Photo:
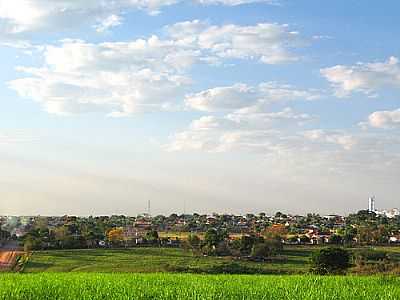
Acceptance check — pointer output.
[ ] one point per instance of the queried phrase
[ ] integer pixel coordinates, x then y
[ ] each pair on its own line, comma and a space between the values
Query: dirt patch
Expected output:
7, 258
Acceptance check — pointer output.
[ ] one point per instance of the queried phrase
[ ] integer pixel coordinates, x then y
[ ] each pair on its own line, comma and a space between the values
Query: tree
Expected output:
213, 237
304, 239
116, 235
349, 234
276, 231
152, 236
336, 239
222, 249
330, 261
62, 235
261, 250
194, 241
246, 244
32, 243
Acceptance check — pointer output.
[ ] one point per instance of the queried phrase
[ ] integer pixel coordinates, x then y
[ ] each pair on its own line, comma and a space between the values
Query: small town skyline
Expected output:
371, 206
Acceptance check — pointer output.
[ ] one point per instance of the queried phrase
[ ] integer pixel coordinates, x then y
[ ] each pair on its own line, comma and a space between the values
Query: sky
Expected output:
227, 106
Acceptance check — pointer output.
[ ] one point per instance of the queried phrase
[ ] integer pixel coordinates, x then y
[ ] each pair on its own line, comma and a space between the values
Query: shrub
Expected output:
330, 261
232, 268
266, 249
371, 254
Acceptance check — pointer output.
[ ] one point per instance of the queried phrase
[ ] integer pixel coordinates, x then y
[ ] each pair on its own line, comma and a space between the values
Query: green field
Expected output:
294, 260
115, 274
150, 260
188, 286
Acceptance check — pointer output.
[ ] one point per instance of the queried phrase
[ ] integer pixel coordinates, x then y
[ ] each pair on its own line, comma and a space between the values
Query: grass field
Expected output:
188, 286
114, 274
150, 260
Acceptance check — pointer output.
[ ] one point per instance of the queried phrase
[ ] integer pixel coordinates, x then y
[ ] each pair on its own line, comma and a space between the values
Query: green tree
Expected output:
152, 237
194, 241
330, 261
336, 239
261, 250
213, 237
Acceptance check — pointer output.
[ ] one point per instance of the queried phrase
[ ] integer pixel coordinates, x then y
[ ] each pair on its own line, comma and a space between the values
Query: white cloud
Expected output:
108, 23
121, 78
223, 98
292, 150
242, 96
258, 120
19, 16
251, 131
212, 135
235, 2
266, 42
116, 78
363, 77
385, 119
339, 138
295, 151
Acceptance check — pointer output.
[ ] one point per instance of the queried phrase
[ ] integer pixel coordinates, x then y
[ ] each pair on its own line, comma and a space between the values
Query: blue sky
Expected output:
229, 105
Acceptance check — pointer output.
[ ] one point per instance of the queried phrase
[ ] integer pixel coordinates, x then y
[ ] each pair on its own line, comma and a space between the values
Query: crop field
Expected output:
187, 286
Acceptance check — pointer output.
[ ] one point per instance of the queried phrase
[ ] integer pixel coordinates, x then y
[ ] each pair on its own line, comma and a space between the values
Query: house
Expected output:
143, 224
134, 234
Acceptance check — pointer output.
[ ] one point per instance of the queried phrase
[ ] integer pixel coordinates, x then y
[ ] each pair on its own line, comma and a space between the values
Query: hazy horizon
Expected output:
234, 106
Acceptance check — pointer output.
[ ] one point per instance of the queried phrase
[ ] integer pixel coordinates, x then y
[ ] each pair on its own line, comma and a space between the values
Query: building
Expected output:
392, 213
371, 204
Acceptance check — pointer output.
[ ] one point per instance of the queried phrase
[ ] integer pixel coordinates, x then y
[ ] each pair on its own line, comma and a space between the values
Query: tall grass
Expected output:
95, 286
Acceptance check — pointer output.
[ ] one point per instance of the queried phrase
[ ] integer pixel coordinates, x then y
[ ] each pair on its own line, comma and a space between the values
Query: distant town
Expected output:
369, 226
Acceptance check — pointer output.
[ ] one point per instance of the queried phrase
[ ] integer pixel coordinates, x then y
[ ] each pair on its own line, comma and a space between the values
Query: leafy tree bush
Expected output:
304, 239
222, 249
213, 236
293, 239
115, 236
371, 254
266, 249
364, 256
194, 241
330, 261
231, 268
152, 236
336, 239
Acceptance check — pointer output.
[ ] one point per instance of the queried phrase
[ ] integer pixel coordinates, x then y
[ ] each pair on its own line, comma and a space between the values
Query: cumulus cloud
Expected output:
108, 23
334, 137
292, 149
266, 42
385, 119
236, 2
242, 96
19, 16
121, 78
253, 131
213, 135
116, 78
366, 78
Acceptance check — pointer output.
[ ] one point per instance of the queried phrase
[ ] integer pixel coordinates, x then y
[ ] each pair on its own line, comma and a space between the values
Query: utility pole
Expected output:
184, 211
